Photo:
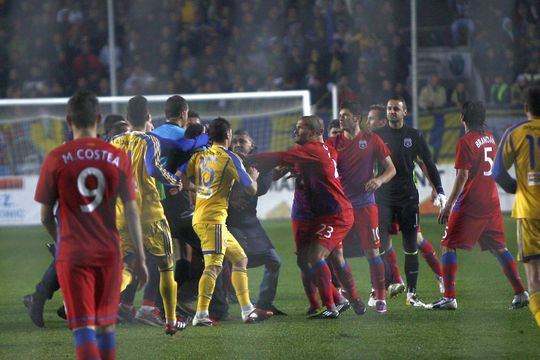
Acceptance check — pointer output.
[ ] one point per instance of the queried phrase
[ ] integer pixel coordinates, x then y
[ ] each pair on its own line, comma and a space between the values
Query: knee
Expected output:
241, 264
274, 264
371, 253
105, 329
213, 270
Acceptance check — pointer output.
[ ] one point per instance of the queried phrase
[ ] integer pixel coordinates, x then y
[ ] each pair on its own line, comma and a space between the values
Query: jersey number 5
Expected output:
96, 193
489, 160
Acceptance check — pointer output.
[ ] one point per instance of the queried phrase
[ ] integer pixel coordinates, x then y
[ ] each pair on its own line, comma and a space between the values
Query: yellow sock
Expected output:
534, 305
239, 281
207, 283
167, 289
126, 279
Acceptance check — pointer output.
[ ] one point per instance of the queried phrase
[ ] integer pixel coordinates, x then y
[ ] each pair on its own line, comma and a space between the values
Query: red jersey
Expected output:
475, 152
356, 161
86, 176
315, 164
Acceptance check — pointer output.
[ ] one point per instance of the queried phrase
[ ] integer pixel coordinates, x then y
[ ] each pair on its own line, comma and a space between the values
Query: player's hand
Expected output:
141, 271
444, 214
253, 173
372, 185
179, 185
440, 201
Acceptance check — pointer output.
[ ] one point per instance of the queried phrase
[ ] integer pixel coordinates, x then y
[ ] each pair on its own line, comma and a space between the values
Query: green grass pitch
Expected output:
482, 327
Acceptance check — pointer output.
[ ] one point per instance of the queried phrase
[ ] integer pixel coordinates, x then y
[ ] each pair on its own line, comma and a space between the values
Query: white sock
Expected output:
201, 314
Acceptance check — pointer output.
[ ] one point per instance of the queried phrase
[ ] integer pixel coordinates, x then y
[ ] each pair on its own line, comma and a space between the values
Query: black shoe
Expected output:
273, 309
359, 307
344, 306
34, 306
61, 312
325, 314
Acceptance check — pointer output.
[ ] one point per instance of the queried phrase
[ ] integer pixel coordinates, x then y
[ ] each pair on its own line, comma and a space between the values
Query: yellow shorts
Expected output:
217, 240
156, 239
528, 238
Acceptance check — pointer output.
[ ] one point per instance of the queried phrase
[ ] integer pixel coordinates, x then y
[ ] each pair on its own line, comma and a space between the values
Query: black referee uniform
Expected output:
398, 199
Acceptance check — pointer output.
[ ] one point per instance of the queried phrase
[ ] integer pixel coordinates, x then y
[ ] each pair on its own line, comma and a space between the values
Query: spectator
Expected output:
139, 81
519, 90
86, 62
400, 91
433, 95
499, 92
459, 95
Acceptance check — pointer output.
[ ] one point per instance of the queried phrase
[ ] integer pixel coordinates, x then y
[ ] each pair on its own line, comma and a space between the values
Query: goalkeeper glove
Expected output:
440, 200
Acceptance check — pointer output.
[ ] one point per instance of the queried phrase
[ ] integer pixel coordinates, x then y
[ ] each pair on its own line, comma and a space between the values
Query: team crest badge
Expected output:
362, 144
407, 142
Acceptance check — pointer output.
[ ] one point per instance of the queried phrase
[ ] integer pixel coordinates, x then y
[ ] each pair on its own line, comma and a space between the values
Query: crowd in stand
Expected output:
55, 47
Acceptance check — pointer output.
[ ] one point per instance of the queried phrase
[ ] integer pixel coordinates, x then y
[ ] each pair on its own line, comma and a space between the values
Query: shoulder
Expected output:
513, 130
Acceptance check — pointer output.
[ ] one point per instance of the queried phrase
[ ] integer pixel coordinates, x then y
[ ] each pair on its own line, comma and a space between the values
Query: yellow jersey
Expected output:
144, 151
214, 172
520, 146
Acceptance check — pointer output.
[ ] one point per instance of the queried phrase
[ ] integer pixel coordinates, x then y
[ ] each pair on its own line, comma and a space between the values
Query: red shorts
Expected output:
394, 229
91, 293
329, 231
463, 232
366, 226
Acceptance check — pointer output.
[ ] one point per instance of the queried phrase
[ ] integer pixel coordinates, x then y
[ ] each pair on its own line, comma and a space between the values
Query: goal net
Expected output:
30, 128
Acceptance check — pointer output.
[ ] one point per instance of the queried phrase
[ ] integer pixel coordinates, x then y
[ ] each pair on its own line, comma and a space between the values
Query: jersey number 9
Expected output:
96, 193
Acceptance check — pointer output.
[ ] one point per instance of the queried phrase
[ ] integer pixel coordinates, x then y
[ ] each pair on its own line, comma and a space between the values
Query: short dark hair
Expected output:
175, 106
113, 120
533, 100
354, 106
193, 130
380, 108
314, 122
334, 124
83, 109
399, 98
218, 128
137, 110
242, 132
474, 114
192, 113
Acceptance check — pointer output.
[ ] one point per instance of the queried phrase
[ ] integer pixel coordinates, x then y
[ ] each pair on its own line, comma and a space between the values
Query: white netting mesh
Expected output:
30, 128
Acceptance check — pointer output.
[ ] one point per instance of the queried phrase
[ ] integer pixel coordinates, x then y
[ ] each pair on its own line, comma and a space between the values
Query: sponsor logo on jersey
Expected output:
362, 144
407, 142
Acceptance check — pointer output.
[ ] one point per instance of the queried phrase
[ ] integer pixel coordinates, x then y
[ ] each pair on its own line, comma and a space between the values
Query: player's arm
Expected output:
387, 175
133, 223
424, 170
246, 179
153, 164
384, 159
47, 219
461, 178
264, 181
503, 161
433, 174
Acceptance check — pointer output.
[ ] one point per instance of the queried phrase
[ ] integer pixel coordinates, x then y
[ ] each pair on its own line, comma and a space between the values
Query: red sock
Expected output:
88, 351
311, 291
346, 279
376, 269
429, 254
391, 259
323, 279
449, 264
85, 343
336, 295
510, 270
